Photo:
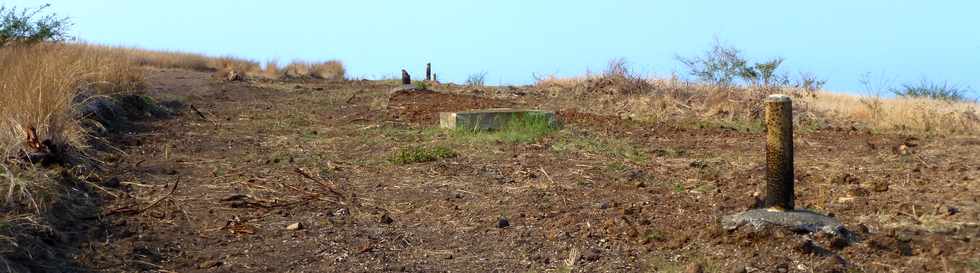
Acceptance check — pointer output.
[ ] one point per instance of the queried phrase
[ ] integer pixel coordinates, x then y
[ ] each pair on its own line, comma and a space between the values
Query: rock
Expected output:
386, 219
879, 186
739, 268
807, 247
112, 182
503, 222
694, 268
952, 210
796, 220
857, 191
602, 205
294, 226
591, 255
209, 264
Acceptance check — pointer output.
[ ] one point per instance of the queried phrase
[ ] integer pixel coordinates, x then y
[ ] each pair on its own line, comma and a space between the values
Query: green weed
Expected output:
421, 154
527, 129
604, 146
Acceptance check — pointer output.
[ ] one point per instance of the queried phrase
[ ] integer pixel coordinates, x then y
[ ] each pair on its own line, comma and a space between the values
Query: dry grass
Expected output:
329, 70
40, 86
630, 96
272, 70
899, 114
166, 59
297, 69
228, 67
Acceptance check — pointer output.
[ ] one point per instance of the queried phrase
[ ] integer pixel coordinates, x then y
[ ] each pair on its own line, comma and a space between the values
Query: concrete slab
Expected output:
491, 119
797, 220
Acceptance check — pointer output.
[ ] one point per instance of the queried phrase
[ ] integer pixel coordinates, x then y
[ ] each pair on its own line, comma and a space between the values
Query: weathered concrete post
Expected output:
779, 153
434, 78
780, 210
428, 71
406, 79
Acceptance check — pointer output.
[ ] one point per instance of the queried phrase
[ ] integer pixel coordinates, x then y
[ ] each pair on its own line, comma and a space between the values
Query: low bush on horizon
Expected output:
27, 26
932, 90
476, 79
730, 89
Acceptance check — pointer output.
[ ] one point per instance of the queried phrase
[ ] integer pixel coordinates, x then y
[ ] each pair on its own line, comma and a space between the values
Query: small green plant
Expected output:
421, 154
420, 85
612, 147
478, 79
522, 129
933, 90
679, 188
24, 26
974, 265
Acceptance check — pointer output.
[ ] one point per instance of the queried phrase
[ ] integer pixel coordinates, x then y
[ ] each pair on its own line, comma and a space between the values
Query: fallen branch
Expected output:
130, 210
199, 113
330, 188
154, 204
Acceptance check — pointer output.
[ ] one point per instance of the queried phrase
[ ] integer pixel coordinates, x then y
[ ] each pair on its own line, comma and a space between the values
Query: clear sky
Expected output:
897, 41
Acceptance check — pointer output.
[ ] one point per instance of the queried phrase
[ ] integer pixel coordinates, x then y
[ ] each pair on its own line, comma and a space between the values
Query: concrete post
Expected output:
779, 153
406, 78
428, 71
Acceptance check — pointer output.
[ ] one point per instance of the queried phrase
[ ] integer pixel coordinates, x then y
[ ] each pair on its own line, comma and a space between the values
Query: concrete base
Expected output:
491, 119
406, 88
797, 220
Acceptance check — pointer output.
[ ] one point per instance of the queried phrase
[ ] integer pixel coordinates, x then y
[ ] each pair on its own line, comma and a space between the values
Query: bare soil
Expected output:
295, 177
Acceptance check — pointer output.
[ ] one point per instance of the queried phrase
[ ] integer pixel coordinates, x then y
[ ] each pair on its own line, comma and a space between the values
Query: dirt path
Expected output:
225, 192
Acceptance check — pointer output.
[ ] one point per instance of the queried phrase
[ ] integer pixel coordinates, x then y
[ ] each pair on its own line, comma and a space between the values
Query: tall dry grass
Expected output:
902, 114
40, 84
329, 70
635, 97
332, 70
229, 67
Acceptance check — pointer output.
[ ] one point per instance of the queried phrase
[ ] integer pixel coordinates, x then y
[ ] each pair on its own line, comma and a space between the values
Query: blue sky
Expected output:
512, 40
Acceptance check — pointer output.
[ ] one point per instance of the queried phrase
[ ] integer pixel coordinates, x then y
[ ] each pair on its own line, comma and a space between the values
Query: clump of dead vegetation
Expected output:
728, 90
330, 70
43, 81
230, 68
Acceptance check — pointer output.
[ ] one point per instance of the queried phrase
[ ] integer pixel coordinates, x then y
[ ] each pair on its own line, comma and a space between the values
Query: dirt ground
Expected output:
295, 177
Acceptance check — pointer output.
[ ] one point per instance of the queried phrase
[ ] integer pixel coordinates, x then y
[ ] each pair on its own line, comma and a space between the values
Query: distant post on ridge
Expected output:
428, 71
406, 79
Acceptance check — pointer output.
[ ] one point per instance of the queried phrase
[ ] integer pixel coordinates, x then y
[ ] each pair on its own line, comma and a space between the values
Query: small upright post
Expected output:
779, 153
428, 71
434, 78
406, 79
779, 208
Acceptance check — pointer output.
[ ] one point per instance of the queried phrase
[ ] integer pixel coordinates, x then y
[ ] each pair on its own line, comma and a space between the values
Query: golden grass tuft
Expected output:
332, 70
40, 87
297, 69
272, 70
901, 114
40, 84
676, 100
